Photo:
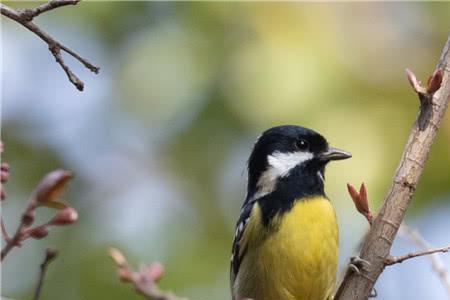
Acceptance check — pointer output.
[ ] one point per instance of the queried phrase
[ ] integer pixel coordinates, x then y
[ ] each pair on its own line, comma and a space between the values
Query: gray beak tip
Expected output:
335, 154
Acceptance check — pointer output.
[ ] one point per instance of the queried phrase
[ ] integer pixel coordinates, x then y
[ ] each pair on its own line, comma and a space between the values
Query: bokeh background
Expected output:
158, 140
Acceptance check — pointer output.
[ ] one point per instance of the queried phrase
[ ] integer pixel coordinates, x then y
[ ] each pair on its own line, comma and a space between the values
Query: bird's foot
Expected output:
357, 263
373, 293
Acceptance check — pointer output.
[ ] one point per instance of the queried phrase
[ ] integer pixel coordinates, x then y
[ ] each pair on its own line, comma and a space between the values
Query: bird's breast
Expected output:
296, 258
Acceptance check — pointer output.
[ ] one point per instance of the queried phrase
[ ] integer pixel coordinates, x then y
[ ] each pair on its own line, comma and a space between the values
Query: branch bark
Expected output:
25, 18
377, 245
50, 255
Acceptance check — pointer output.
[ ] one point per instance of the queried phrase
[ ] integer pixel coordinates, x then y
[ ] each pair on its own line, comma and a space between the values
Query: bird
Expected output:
286, 240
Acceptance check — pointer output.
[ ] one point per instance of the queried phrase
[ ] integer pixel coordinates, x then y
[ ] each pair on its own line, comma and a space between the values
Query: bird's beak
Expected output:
334, 154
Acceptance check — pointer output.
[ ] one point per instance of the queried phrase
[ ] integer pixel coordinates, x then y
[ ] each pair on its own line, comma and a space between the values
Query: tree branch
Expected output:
392, 260
25, 17
25, 222
144, 280
50, 255
378, 242
435, 259
45, 194
30, 13
4, 231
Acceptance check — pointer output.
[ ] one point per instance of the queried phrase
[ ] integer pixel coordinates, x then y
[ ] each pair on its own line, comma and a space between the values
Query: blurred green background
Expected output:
158, 140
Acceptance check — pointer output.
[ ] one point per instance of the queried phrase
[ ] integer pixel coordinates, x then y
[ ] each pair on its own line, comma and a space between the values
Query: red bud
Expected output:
156, 271
65, 216
364, 202
4, 172
434, 82
353, 193
28, 217
361, 201
39, 232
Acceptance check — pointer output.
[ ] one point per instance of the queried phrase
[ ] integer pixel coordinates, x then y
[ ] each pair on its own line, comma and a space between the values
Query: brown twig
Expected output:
46, 194
25, 222
50, 255
392, 260
4, 231
144, 280
377, 245
436, 262
25, 17
30, 13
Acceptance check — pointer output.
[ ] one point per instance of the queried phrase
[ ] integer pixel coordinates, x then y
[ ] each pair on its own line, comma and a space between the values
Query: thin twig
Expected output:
30, 13
50, 255
25, 222
25, 17
46, 193
392, 260
4, 231
436, 262
144, 280
376, 247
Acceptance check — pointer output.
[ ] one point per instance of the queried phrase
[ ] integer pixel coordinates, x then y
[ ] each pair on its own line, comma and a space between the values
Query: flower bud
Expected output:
65, 216
118, 257
51, 187
39, 232
152, 273
4, 172
28, 217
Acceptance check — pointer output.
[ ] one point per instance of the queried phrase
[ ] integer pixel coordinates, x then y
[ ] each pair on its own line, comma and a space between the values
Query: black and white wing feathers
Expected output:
241, 224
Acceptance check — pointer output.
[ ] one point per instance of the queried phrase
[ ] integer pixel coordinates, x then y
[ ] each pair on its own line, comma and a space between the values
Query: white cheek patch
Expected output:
280, 164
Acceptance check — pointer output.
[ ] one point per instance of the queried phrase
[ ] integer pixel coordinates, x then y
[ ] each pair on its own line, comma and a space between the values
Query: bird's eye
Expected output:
302, 145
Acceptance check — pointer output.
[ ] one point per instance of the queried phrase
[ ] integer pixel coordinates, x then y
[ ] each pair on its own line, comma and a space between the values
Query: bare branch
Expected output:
50, 255
392, 260
4, 231
436, 262
25, 17
376, 247
144, 280
30, 13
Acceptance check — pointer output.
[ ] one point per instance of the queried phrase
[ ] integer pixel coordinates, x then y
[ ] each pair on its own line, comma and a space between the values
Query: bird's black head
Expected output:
289, 153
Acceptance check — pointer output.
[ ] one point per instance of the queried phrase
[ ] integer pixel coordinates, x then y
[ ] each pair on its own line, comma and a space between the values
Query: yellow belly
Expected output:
295, 261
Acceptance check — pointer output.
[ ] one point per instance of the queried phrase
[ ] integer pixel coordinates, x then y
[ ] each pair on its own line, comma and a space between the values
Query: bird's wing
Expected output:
238, 246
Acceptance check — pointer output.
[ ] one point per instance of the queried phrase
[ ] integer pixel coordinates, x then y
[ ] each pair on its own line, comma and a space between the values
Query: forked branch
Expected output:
25, 18
145, 280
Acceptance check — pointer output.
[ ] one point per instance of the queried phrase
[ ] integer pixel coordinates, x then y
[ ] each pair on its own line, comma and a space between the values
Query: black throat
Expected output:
303, 181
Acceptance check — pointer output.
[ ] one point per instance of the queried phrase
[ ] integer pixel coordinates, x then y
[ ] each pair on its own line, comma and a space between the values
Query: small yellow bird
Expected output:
286, 241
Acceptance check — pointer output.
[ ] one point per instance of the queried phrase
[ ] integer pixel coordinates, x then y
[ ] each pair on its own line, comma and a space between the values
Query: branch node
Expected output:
25, 17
